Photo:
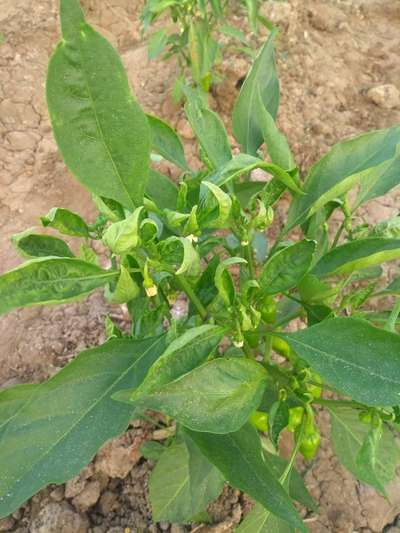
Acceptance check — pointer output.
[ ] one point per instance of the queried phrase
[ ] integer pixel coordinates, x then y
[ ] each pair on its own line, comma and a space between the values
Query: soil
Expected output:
340, 75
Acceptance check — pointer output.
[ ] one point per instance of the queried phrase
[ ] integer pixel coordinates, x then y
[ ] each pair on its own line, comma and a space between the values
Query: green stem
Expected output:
248, 253
295, 451
391, 322
338, 234
338, 403
187, 289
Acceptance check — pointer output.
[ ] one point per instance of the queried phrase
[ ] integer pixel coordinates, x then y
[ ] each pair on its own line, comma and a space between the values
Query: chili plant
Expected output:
195, 35
228, 377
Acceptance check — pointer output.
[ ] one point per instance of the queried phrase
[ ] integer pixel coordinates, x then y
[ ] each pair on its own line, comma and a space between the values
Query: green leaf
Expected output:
356, 255
223, 280
296, 487
341, 169
126, 288
86, 253
50, 280
356, 358
30, 244
205, 288
379, 180
49, 432
184, 354
123, 236
235, 33
367, 460
214, 206
111, 209
261, 81
152, 450
161, 190
179, 254
244, 163
183, 483
157, 43
277, 421
166, 142
209, 129
259, 520
348, 437
239, 457
101, 131
286, 268
393, 287
218, 396
275, 142
66, 222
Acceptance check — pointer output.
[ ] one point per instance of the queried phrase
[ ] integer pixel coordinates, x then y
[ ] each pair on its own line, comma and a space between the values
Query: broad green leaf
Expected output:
123, 236
223, 280
86, 253
356, 255
209, 129
261, 81
161, 190
379, 180
50, 280
275, 142
356, 358
180, 255
49, 432
259, 520
152, 450
244, 163
247, 189
157, 43
126, 288
30, 244
286, 268
259, 243
341, 169
296, 487
348, 436
218, 396
205, 288
101, 131
183, 483
166, 142
239, 457
184, 354
66, 222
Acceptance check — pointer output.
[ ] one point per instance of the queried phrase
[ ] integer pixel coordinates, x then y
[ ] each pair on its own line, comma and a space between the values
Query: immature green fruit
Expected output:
365, 417
295, 418
312, 389
268, 310
251, 338
310, 444
280, 346
259, 420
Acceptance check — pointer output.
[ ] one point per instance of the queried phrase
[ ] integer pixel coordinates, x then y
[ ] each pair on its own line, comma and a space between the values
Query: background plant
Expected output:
205, 237
194, 36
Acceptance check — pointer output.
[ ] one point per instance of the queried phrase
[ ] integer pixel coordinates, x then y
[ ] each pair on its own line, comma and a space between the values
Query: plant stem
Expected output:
338, 403
338, 234
187, 289
391, 321
248, 253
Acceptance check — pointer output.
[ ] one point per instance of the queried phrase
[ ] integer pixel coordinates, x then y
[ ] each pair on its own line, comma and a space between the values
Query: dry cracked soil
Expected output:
340, 74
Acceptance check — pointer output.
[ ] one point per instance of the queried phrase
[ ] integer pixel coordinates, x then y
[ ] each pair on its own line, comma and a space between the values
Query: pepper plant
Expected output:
274, 331
194, 35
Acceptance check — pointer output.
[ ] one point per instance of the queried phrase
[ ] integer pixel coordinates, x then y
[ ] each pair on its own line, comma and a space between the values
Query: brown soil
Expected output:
330, 55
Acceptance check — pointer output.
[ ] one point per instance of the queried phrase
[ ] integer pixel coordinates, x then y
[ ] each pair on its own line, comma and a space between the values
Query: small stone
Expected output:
164, 526
88, 497
386, 96
116, 459
74, 486
21, 140
176, 528
59, 518
6, 524
57, 494
108, 502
